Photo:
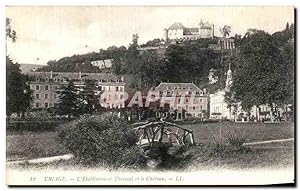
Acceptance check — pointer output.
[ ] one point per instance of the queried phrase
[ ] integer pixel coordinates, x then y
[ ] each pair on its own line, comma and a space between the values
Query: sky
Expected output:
50, 33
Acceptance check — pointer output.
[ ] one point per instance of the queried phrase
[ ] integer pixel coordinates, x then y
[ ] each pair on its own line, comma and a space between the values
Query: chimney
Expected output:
79, 74
51, 74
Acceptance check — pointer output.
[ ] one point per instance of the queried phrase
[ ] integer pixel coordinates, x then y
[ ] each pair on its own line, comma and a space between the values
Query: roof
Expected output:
74, 75
190, 31
178, 86
176, 26
205, 25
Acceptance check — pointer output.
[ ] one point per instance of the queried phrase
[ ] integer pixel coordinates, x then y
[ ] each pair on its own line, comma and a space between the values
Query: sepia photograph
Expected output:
150, 95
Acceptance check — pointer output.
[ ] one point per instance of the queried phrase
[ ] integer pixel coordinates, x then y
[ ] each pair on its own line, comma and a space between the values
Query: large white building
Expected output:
45, 86
178, 31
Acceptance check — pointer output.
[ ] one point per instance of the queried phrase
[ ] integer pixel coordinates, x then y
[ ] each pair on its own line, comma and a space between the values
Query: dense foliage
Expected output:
102, 139
18, 93
264, 70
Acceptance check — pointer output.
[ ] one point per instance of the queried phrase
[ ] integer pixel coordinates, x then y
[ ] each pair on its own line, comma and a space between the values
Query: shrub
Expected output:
102, 139
236, 140
228, 146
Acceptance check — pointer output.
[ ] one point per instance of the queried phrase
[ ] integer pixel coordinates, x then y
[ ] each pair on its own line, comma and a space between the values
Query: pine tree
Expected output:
88, 98
69, 102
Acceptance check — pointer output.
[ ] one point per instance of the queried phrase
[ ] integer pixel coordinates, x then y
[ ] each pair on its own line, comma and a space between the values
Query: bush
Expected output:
102, 139
236, 140
230, 145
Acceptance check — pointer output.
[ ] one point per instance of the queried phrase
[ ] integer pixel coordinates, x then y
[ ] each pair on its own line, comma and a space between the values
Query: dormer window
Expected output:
37, 79
47, 79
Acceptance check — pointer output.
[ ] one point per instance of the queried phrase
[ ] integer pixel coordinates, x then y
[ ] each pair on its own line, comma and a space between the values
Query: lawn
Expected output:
30, 145
207, 132
269, 156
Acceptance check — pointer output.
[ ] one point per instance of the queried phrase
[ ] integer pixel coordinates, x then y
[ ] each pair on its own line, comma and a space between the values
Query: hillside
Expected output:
30, 67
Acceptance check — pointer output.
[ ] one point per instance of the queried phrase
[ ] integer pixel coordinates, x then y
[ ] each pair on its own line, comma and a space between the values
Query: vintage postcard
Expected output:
150, 95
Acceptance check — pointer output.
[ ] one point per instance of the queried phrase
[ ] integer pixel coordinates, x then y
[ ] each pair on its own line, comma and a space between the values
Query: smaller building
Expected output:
102, 64
184, 98
218, 107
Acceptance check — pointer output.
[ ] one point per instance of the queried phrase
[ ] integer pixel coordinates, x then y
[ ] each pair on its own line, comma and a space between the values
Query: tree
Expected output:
132, 63
261, 75
69, 100
232, 103
18, 93
225, 31
10, 33
189, 63
152, 72
88, 98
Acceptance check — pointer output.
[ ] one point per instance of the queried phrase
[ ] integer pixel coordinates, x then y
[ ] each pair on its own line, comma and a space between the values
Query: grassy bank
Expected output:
29, 145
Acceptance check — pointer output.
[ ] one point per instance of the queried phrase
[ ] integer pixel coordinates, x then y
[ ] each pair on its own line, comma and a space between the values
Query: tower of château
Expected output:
228, 79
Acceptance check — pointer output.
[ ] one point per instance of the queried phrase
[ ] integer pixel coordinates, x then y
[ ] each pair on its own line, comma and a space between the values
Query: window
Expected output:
37, 96
117, 88
37, 79
37, 87
46, 105
46, 87
121, 89
121, 97
200, 100
37, 105
46, 96
194, 108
